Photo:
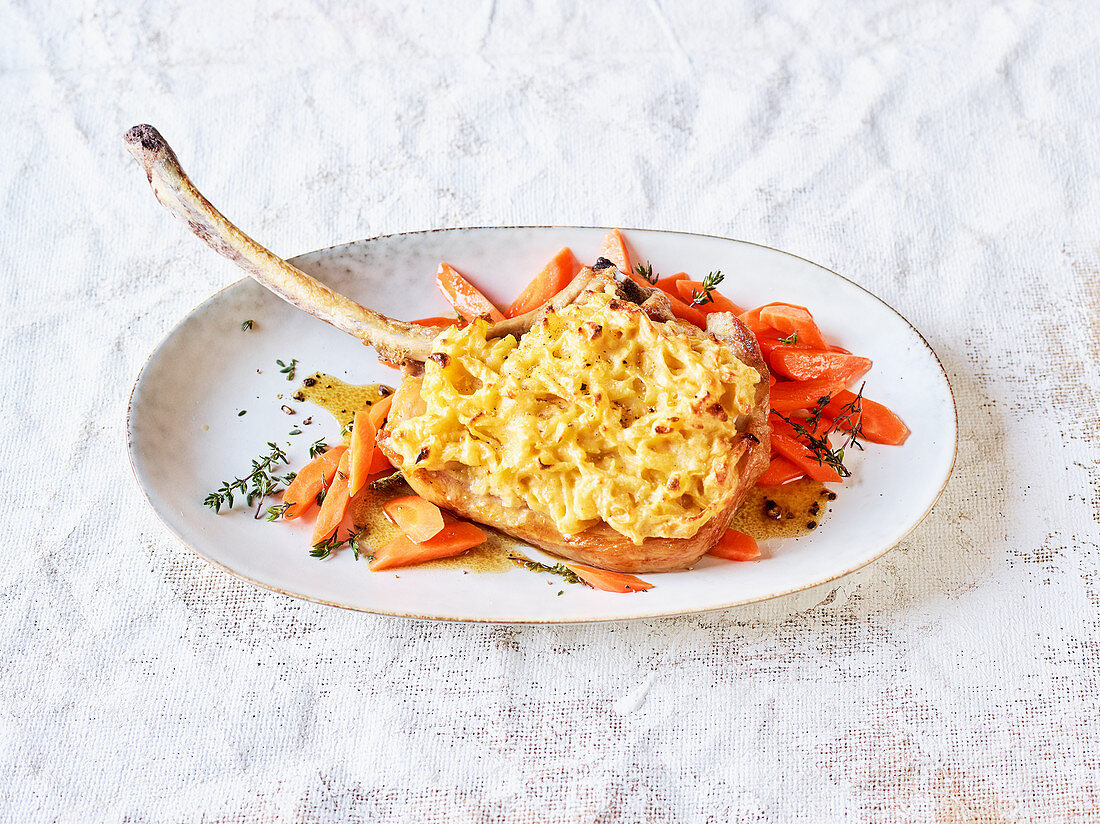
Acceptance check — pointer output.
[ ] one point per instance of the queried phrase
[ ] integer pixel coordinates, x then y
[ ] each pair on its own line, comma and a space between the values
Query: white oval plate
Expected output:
185, 434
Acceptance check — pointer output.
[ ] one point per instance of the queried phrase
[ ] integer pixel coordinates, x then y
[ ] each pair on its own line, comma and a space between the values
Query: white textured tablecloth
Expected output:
942, 154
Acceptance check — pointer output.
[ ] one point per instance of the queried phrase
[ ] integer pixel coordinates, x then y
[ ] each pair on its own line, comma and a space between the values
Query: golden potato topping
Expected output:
598, 413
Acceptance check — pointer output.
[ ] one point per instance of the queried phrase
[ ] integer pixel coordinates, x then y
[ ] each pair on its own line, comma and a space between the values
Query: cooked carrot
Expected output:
787, 396
335, 504
787, 319
453, 539
736, 546
437, 321
813, 364
554, 277
769, 343
879, 424
380, 411
791, 448
464, 296
361, 451
417, 518
614, 249
379, 462
752, 320
609, 581
684, 312
669, 283
315, 476
687, 289
779, 471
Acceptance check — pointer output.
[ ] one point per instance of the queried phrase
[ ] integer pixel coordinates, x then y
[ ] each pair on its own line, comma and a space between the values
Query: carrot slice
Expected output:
379, 462
813, 364
316, 475
787, 396
752, 320
554, 277
879, 423
779, 471
380, 411
453, 539
718, 302
437, 321
787, 444
417, 518
363, 435
609, 581
787, 319
464, 296
684, 312
769, 343
669, 283
736, 546
614, 249
335, 504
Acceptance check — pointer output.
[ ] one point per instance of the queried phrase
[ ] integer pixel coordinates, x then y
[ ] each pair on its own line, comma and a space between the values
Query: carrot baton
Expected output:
453, 539
780, 471
466, 299
614, 249
335, 504
736, 546
609, 581
553, 277
313, 478
812, 364
417, 518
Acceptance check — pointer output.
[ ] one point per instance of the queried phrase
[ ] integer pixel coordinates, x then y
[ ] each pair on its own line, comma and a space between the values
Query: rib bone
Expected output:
395, 340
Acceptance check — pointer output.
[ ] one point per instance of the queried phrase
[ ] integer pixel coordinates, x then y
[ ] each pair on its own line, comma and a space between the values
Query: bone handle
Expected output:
395, 340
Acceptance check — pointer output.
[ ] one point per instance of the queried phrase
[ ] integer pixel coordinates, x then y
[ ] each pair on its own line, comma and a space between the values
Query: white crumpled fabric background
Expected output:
942, 154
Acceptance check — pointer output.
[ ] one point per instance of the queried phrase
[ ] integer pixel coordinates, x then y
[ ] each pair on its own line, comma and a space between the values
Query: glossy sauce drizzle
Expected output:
341, 400
785, 511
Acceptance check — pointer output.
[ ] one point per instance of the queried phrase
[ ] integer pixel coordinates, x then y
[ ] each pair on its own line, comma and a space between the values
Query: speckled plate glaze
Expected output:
185, 434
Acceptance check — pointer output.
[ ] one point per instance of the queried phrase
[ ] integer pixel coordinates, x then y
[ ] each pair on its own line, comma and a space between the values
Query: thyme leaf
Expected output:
274, 513
557, 569
326, 548
246, 325
646, 272
710, 282
386, 481
288, 369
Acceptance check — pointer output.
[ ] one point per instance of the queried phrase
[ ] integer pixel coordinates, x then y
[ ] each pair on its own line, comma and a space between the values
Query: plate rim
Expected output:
537, 621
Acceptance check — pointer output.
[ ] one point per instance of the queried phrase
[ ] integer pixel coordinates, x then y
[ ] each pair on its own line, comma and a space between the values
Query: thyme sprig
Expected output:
326, 548
557, 569
274, 513
646, 272
849, 418
710, 282
387, 481
318, 447
256, 485
288, 369
791, 339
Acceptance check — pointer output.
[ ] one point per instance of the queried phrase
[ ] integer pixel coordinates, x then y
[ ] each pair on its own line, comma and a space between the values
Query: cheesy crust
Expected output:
597, 413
